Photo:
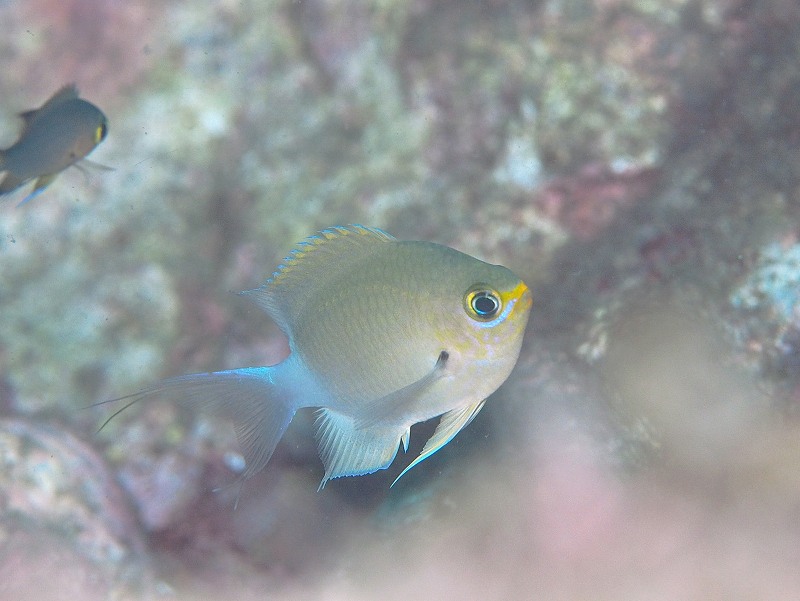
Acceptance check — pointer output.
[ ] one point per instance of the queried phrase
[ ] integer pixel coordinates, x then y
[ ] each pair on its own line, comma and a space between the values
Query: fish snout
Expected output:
522, 295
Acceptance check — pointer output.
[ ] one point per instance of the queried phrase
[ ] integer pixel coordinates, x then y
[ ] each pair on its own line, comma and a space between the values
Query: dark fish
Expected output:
64, 130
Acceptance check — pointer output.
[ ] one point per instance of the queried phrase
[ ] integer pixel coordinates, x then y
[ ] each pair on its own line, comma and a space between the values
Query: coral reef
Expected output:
637, 162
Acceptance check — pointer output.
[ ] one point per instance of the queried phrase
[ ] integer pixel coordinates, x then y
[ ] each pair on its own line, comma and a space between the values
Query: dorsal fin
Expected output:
68, 92
315, 259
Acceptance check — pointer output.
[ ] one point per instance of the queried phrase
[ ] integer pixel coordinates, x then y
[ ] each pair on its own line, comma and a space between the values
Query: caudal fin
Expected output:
258, 409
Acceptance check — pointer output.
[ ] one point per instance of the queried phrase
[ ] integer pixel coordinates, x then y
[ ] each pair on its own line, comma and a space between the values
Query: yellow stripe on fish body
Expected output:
384, 334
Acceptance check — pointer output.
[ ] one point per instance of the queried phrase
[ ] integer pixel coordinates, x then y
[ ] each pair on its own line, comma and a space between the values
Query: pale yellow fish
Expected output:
384, 334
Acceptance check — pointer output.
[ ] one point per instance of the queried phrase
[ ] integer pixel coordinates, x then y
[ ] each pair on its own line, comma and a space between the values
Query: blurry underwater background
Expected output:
637, 162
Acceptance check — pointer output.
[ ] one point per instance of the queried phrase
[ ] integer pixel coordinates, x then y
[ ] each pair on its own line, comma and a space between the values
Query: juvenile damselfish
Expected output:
64, 130
383, 334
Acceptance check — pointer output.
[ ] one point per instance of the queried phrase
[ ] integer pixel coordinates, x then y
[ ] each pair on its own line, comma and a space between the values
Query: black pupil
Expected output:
484, 304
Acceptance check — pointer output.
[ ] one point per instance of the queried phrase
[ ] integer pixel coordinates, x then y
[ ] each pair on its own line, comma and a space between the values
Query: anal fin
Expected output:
349, 450
10, 183
38, 188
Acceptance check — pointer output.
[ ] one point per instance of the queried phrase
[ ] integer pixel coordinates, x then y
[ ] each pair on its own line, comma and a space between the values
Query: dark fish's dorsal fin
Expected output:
68, 92
316, 258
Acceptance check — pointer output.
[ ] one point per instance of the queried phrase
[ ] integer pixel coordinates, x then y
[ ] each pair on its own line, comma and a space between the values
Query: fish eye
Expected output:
482, 303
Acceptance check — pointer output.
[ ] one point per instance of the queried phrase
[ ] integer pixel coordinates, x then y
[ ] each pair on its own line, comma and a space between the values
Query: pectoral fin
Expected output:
451, 424
94, 165
388, 407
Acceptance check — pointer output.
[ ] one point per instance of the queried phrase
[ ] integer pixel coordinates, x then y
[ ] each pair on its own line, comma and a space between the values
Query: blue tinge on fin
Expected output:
39, 187
451, 424
247, 397
34, 193
347, 450
30, 196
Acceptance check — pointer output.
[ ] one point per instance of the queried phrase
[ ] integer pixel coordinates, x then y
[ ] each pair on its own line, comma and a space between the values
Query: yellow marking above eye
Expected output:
516, 293
484, 304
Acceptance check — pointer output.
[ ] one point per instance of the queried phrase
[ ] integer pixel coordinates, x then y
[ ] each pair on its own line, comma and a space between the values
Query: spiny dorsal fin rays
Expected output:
451, 424
68, 92
388, 407
317, 258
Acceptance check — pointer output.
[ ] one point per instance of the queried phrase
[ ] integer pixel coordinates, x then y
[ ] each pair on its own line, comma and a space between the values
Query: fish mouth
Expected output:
521, 293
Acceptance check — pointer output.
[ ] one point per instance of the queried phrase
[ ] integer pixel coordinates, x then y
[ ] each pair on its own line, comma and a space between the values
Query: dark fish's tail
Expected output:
259, 410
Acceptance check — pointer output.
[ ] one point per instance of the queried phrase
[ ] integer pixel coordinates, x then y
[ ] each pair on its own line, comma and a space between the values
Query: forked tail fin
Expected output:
259, 410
